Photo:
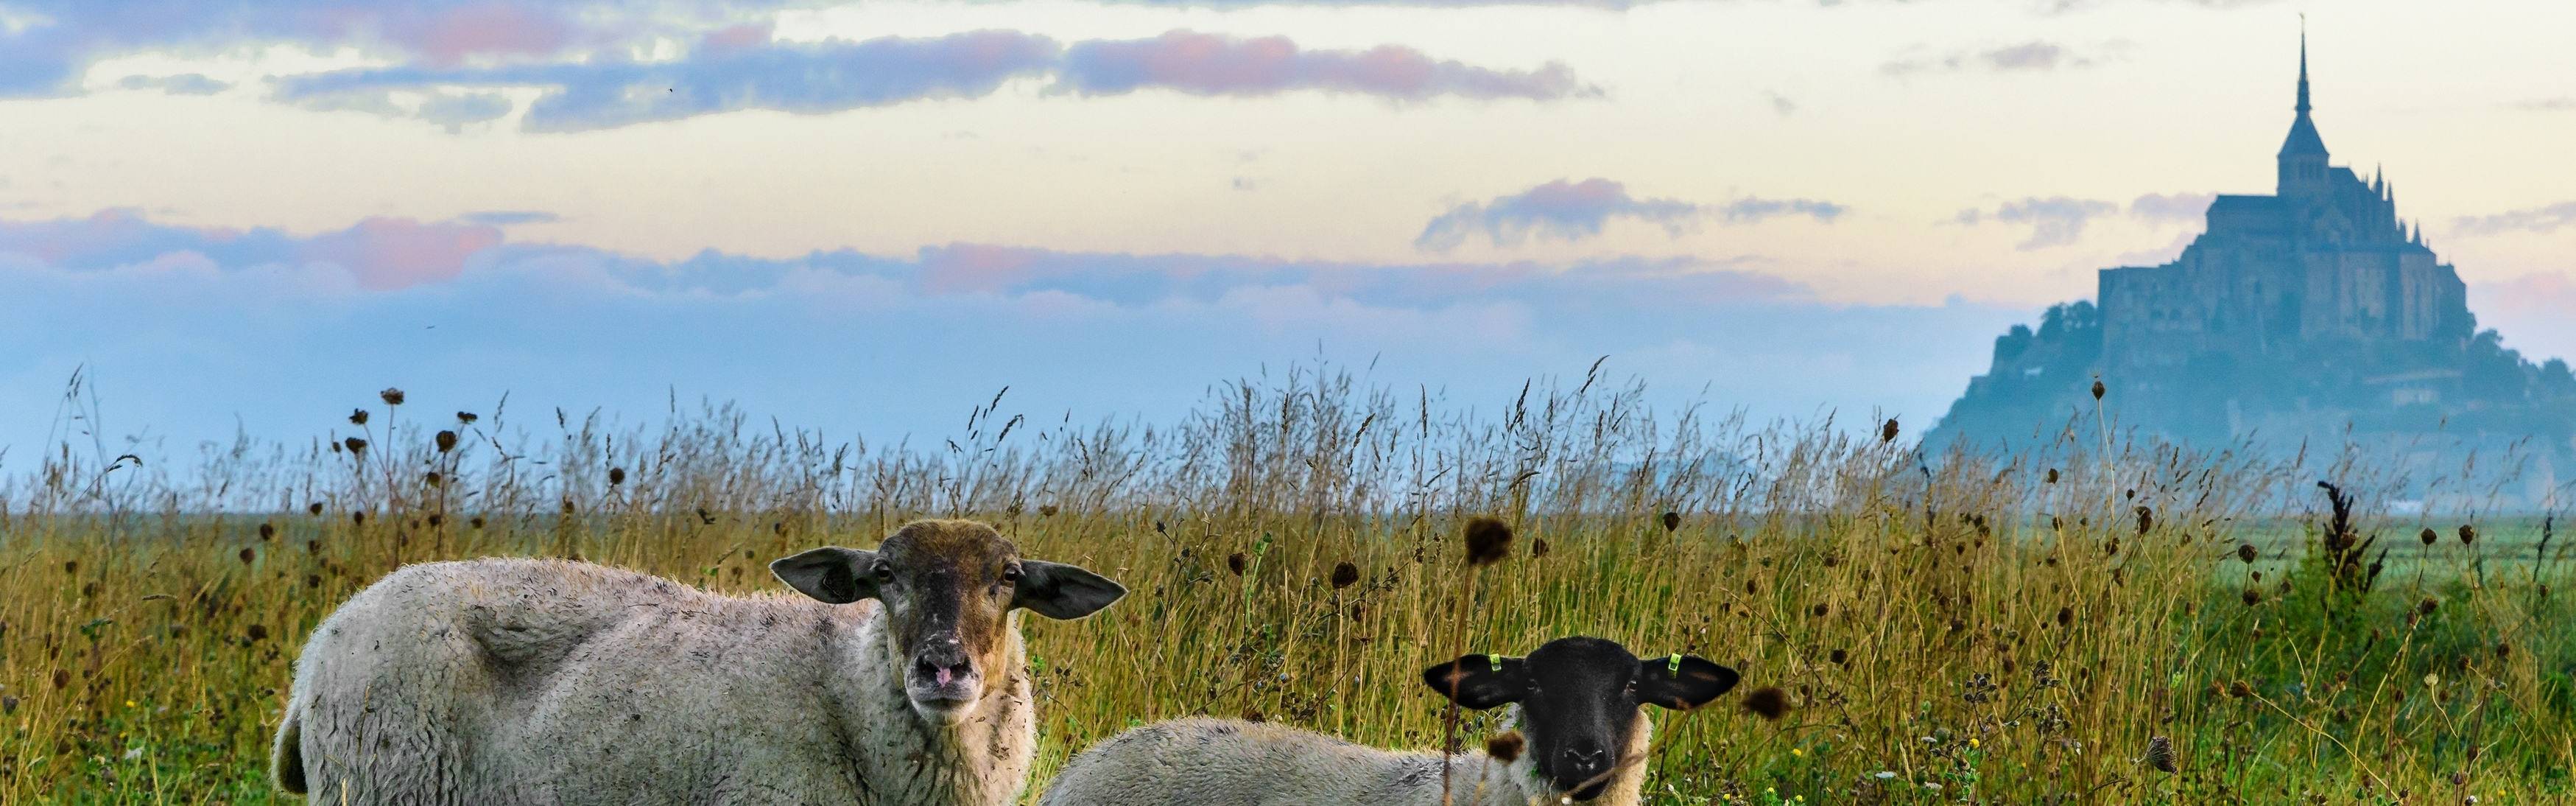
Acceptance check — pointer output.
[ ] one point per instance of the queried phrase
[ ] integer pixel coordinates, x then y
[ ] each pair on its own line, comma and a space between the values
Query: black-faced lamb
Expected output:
897, 678
1575, 700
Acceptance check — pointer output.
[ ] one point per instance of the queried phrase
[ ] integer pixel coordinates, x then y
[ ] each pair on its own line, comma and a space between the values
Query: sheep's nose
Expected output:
1589, 761
940, 672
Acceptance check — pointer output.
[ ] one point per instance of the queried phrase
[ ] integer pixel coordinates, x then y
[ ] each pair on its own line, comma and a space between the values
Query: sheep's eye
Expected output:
1011, 574
883, 572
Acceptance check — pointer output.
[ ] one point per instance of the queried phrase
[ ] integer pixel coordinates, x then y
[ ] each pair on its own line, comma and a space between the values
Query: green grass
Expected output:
1970, 626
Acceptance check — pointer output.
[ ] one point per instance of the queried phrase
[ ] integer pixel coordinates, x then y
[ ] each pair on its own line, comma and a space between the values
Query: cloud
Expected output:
188, 84
2032, 56
2054, 221
1576, 210
739, 69
274, 333
377, 254
504, 218
2543, 220
1212, 64
814, 78
2179, 207
45, 50
2564, 103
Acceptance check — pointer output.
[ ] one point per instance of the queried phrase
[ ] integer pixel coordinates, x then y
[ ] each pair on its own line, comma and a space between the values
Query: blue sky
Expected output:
867, 218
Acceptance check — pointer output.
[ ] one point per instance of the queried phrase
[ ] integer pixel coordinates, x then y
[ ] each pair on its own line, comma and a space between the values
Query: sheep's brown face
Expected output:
948, 588
1579, 699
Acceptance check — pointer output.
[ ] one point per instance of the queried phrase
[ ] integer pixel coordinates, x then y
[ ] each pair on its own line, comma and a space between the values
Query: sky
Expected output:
869, 218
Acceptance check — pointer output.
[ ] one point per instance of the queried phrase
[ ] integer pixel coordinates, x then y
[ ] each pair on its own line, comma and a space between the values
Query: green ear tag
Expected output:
1674, 665
1495, 661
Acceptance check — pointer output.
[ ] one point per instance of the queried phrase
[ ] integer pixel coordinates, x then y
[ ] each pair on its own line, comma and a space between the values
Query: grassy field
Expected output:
1961, 629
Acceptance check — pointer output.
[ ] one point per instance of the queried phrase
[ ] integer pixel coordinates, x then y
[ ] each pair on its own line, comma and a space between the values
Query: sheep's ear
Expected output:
1060, 591
1479, 681
830, 574
1682, 682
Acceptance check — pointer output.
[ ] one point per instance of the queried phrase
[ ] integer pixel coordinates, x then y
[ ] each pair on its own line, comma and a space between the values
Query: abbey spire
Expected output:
2303, 153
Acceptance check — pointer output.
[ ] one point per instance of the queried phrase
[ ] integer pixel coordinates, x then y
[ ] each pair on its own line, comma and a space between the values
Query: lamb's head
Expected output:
1579, 699
948, 588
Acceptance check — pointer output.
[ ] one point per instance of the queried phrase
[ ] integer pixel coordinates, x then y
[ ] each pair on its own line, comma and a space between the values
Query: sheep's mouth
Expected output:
1588, 792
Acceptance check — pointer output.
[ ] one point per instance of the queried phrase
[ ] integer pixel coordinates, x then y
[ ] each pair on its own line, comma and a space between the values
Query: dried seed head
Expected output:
436, 520
430, 478
1488, 540
1768, 702
2097, 389
62, 677
1820, 610
1158, 527
312, 580
1839, 657
359, 518
1046, 511
2253, 597
476, 522
446, 441
1344, 574
2066, 617
267, 532
1236, 562
358, 417
2146, 519
2160, 754
1506, 747
1887, 433
616, 476
246, 556
2428, 536
258, 632
2245, 552
466, 417
2240, 689
2052, 475
313, 508
1672, 520
2468, 535
392, 396
2426, 606
2504, 650
355, 445
1538, 548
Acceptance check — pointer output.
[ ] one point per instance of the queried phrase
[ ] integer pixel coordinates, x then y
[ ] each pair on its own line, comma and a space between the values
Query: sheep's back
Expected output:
1225, 762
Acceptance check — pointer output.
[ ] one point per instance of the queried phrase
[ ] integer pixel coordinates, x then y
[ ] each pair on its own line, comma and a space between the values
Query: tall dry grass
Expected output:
2095, 621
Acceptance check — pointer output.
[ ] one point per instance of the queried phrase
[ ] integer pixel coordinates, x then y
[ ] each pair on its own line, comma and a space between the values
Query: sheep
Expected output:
549, 682
1574, 701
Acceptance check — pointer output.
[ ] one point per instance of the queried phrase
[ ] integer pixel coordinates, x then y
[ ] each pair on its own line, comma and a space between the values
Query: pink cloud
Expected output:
499, 28
1211, 64
388, 254
739, 37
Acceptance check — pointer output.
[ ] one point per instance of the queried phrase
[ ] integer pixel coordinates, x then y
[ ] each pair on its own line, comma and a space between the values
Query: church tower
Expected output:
2303, 154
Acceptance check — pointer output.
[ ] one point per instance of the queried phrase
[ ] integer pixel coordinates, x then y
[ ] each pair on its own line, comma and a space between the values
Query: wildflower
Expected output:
258, 632
2097, 395
1487, 540
314, 508
2253, 597
446, 441
2426, 606
1839, 657
1769, 702
1887, 433
466, 417
2468, 535
1046, 511
1538, 548
358, 417
1344, 574
1672, 520
355, 445
1235, 562
392, 396
2428, 536
2160, 754
616, 476
245, 556
2245, 552
267, 532
1973, 744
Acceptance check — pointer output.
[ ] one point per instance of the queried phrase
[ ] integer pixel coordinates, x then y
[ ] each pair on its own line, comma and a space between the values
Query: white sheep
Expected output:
1574, 700
547, 682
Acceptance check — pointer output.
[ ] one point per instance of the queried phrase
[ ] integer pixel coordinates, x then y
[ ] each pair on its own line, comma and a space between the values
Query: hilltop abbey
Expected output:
2311, 313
